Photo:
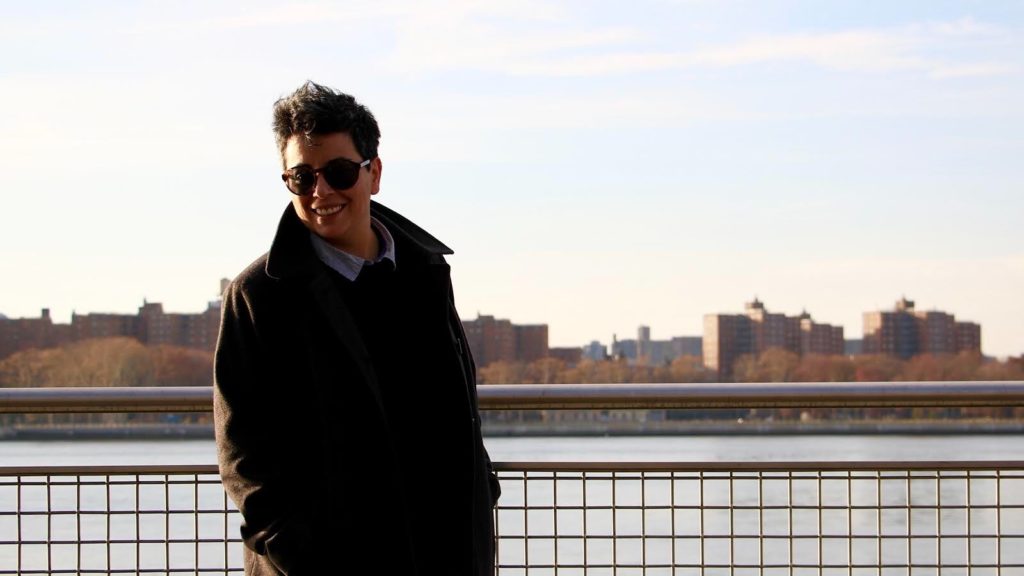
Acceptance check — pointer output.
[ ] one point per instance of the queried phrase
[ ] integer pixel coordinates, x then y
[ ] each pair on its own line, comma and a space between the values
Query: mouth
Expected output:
327, 210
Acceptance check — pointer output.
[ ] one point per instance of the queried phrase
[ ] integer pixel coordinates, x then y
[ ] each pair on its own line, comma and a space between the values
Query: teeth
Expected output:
327, 210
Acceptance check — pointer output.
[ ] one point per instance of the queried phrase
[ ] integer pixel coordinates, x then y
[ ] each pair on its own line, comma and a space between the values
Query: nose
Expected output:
320, 186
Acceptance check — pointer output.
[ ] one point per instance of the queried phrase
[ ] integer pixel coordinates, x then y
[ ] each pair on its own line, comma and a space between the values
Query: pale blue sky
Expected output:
595, 165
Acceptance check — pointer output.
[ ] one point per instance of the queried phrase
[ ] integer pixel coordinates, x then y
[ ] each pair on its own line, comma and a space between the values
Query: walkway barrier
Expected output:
586, 518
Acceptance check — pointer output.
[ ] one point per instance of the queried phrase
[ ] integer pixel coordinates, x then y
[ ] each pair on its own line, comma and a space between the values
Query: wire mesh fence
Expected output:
117, 520
680, 519
569, 519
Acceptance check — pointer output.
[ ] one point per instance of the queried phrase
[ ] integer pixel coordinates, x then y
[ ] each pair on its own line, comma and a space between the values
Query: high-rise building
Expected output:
726, 338
905, 332
968, 336
729, 336
531, 341
820, 338
643, 342
492, 340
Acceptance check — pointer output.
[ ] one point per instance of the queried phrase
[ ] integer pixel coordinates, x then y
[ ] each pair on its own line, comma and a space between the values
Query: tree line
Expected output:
127, 362
119, 361
123, 361
772, 365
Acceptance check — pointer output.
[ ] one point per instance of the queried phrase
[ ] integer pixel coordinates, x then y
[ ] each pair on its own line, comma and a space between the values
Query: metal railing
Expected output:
117, 520
570, 396
778, 518
951, 517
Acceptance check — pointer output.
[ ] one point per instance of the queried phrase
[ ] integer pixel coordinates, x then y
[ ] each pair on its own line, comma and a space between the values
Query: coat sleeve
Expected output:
251, 450
470, 368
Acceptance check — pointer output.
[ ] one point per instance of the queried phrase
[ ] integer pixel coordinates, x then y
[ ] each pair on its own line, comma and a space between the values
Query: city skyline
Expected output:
595, 166
833, 340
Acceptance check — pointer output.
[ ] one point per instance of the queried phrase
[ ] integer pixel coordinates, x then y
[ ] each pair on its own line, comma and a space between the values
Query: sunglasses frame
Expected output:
289, 175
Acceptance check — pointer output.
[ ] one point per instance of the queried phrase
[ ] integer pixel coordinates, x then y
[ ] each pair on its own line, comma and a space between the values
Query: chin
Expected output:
332, 234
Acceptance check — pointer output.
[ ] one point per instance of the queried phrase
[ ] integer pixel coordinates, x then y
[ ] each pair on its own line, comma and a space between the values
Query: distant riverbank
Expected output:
754, 427
574, 428
131, 432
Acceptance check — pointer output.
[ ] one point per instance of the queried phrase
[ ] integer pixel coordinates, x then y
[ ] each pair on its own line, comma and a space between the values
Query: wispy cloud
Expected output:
533, 38
462, 41
249, 15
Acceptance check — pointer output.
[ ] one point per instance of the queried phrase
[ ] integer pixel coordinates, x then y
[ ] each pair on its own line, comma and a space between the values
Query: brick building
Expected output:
905, 332
729, 336
188, 330
571, 356
492, 340
24, 333
151, 326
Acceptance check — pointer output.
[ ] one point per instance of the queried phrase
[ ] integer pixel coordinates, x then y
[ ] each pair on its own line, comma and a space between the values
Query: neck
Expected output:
367, 246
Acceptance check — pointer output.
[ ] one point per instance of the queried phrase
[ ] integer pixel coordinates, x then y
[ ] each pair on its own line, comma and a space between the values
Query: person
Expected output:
345, 405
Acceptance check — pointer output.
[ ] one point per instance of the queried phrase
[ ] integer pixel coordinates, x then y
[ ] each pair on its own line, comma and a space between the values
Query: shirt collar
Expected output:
349, 265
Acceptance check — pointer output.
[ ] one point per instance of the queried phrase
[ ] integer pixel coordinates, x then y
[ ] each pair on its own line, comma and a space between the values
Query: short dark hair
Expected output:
316, 110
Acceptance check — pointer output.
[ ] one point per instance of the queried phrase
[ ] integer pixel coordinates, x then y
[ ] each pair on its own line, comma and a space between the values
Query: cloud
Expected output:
273, 15
544, 39
464, 41
865, 51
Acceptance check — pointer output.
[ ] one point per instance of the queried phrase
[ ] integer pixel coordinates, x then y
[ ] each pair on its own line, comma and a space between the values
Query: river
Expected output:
575, 448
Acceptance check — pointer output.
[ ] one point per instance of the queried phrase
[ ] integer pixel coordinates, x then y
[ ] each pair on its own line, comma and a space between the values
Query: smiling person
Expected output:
345, 403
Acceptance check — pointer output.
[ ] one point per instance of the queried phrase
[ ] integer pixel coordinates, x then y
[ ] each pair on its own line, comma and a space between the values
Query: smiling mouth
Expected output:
328, 210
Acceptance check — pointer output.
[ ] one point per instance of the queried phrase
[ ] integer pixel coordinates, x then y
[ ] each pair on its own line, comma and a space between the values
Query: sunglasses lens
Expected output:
301, 182
341, 174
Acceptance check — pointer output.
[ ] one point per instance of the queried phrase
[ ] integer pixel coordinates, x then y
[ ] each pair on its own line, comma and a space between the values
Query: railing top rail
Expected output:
105, 399
570, 396
1007, 468
752, 395
109, 470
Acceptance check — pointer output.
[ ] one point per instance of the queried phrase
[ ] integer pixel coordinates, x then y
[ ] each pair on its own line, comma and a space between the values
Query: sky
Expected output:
596, 166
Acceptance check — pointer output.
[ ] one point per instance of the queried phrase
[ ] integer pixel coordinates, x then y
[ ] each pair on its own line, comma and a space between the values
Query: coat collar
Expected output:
292, 254
417, 252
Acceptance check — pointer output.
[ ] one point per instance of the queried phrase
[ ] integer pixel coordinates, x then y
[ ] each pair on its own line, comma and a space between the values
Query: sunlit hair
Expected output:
315, 110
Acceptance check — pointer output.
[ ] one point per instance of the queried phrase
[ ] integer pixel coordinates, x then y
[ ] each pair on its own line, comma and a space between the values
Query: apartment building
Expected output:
729, 336
495, 339
151, 326
905, 332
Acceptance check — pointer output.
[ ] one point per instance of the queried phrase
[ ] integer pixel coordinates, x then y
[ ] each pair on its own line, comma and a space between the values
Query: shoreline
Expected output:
757, 428
613, 428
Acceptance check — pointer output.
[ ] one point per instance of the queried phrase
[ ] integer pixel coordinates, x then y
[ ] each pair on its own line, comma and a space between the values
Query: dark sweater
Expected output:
428, 416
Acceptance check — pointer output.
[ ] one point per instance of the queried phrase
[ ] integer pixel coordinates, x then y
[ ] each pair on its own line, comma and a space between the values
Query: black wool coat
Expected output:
333, 466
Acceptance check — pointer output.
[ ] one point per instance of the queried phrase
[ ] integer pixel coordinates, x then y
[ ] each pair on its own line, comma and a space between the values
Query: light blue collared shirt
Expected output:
349, 265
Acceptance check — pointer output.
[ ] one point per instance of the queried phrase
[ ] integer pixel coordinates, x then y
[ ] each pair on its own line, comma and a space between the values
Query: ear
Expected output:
375, 169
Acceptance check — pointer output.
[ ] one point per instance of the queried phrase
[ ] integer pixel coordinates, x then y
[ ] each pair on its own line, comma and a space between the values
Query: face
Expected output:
342, 217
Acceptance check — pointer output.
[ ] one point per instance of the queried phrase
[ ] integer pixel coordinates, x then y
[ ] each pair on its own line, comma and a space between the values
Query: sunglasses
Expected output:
340, 174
